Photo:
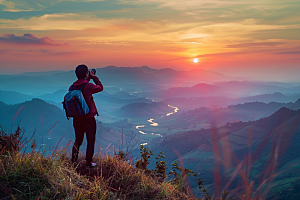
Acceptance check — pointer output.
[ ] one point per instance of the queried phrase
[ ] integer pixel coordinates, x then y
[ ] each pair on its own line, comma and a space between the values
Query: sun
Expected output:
195, 60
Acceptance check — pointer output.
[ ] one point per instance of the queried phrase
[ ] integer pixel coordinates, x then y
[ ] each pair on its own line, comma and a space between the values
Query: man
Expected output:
87, 123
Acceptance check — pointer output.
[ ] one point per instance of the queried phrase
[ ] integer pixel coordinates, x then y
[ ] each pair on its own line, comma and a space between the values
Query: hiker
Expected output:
87, 123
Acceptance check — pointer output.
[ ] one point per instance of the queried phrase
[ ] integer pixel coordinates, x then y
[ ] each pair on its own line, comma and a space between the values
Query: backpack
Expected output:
74, 103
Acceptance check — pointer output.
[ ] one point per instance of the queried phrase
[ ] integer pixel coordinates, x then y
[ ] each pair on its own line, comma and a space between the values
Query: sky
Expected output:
254, 38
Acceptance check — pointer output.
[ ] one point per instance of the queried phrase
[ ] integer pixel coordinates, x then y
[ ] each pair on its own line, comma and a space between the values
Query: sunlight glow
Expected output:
195, 60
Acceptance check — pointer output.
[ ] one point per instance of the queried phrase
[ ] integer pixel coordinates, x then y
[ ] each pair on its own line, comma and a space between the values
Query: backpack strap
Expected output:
82, 86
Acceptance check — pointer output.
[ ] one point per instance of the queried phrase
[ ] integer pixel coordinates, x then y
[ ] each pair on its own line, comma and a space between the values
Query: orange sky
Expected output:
232, 37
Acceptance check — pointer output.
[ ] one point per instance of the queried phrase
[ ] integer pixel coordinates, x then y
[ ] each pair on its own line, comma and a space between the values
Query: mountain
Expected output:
29, 84
250, 88
185, 104
10, 97
2, 104
37, 116
145, 110
192, 76
56, 96
132, 78
267, 98
204, 117
237, 132
199, 90
277, 133
106, 102
49, 124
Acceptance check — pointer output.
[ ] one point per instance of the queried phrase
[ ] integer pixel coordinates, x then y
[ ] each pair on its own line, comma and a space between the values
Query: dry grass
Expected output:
36, 176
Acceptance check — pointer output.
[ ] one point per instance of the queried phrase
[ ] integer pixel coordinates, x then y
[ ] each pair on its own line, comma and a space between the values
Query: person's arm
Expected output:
97, 87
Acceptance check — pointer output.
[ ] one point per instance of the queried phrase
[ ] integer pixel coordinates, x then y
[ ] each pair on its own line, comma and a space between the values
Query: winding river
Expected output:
152, 123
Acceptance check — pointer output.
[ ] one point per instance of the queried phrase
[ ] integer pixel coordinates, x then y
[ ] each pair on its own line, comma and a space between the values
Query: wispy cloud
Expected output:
289, 52
37, 5
3, 52
260, 44
28, 38
223, 54
15, 6
66, 21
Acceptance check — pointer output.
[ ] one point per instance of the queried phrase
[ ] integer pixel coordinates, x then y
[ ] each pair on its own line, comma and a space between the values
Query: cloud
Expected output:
65, 21
3, 51
261, 44
15, 6
289, 52
42, 5
223, 54
28, 38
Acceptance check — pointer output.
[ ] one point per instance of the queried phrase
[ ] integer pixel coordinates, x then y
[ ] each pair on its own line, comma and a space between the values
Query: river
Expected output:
152, 123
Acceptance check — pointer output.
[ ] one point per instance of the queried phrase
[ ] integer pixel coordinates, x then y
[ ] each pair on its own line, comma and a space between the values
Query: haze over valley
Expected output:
192, 112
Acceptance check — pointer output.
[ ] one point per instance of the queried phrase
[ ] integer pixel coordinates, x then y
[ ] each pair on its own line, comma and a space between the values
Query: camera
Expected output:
93, 71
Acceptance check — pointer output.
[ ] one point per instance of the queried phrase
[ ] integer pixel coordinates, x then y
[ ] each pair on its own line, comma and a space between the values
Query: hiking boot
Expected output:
91, 165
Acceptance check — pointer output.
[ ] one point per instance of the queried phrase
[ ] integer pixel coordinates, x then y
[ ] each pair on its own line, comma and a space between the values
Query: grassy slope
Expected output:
34, 176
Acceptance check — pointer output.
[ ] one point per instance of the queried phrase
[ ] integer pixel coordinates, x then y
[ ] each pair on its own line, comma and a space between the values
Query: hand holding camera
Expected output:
91, 74
93, 71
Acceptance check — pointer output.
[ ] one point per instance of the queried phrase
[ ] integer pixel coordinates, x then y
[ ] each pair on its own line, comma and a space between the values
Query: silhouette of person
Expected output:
86, 124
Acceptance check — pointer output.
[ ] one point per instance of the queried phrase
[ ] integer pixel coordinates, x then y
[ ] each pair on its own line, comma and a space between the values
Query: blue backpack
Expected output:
74, 103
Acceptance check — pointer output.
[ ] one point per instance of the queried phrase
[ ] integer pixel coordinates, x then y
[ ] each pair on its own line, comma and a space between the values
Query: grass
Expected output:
36, 176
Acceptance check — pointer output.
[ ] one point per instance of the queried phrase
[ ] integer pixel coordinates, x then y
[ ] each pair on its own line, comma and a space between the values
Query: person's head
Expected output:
81, 71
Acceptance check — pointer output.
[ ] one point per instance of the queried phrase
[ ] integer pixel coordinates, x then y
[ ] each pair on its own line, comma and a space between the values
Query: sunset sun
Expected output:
195, 60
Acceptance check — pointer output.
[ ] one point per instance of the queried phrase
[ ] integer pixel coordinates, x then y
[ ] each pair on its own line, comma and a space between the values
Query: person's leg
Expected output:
91, 137
79, 134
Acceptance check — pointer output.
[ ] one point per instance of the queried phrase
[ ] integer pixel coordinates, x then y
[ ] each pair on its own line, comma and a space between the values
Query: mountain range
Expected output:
185, 104
278, 133
143, 110
130, 78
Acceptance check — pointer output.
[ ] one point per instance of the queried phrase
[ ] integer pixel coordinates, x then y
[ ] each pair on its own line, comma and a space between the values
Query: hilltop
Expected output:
35, 175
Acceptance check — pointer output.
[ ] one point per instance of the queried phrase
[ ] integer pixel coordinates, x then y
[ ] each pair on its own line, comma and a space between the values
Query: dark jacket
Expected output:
87, 92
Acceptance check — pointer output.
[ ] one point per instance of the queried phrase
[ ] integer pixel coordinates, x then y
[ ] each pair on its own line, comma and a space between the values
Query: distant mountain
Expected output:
192, 76
2, 104
49, 124
204, 117
250, 88
133, 78
267, 98
48, 73
185, 104
28, 84
107, 102
37, 116
278, 133
199, 90
146, 81
158, 72
10, 97
137, 110
56, 96
121, 95
266, 106
115, 75
237, 132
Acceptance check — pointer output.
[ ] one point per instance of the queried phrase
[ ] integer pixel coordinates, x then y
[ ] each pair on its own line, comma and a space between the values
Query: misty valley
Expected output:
211, 123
